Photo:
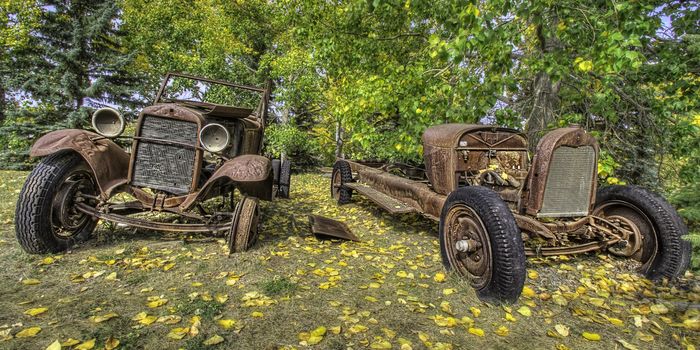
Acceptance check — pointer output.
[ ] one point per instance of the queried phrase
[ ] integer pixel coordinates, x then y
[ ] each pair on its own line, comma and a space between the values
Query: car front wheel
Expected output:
46, 219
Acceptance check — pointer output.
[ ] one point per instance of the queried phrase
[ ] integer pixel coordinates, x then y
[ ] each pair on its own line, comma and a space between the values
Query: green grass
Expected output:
284, 276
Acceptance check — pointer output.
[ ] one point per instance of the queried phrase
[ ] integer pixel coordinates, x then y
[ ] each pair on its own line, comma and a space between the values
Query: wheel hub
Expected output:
469, 251
64, 214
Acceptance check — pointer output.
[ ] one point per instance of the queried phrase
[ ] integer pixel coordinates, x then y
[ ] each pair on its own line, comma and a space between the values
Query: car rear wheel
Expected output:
342, 174
479, 240
285, 176
46, 219
244, 228
659, 230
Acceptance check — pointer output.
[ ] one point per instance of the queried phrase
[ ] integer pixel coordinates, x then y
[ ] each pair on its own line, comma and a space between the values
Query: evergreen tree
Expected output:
74, 62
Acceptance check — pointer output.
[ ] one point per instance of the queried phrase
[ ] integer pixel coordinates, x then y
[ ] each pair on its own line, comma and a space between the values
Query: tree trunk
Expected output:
3, 104
339, 141
541, 106
542, 109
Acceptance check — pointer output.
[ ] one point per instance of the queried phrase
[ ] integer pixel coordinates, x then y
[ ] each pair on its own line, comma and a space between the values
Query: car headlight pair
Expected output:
109, 123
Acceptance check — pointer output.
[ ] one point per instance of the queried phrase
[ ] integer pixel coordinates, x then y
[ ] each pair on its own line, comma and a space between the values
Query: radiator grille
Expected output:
569, 183
165, 167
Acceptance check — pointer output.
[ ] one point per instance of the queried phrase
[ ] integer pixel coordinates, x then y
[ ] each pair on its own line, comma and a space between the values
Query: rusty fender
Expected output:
108, 161
251, 173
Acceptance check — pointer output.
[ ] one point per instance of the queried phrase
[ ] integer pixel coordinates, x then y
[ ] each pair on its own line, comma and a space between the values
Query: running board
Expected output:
388, 203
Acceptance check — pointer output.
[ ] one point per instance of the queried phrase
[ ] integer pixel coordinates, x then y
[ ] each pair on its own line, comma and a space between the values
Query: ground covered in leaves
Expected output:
132, 289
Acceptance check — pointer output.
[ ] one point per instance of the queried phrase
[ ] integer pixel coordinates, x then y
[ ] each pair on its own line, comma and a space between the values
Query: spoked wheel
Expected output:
244, 228
656, 242
480, 241
46, 217
342, 174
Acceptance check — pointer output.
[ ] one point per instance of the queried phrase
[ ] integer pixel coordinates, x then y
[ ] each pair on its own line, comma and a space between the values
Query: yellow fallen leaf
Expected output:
476, 331
5, 334
168, 266
692, 324
532, 274
105, 317
215, 339
591, 336
47, 261
528, 292
70, 342
36, 311
111, 277
28, 332
226, 324
56, 345
659, 309
475, 311
257, 314
509, 317
169, 319
616, 321
439, 277
221, 298
86, 345
30, 281
157, 302
627, 345
562, 330
312, 338
448, 291
111, 343
559, 300
179, 332
525, 311
502, 331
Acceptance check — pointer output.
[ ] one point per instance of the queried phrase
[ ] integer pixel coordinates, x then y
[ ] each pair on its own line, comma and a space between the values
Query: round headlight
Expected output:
214, 137
108, 122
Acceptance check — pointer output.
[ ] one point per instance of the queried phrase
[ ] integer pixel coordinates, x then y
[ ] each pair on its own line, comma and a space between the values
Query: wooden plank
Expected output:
388, 203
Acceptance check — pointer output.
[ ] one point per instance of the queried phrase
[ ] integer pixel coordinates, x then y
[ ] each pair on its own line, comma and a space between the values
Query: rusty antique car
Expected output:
200, 140
495, 206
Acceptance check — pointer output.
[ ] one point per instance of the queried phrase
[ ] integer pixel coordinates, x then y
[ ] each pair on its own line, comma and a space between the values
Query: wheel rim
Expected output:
467, 245
66, 220
336, 184
245, 230
645, 236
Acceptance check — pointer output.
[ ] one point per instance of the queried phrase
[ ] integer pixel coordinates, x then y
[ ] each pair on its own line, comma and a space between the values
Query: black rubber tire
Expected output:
506, 246
33, 214
244, 228
285, 178
672, 253
342, 169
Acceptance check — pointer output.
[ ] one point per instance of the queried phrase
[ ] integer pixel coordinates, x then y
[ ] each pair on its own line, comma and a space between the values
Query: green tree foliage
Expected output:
73, 60
217, 38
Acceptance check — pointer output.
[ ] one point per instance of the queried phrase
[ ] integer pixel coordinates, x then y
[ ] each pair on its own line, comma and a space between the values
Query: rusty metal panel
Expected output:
568, 189
325, 228
108, 161
533, 194
251, 173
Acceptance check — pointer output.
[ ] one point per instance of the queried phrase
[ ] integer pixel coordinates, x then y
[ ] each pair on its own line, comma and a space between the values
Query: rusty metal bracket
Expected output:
152, 225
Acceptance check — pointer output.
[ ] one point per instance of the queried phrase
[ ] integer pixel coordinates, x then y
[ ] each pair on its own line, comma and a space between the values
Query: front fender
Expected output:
108, 161
252, 174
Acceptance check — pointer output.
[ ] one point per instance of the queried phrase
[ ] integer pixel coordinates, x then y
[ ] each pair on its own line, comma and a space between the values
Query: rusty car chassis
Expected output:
185, 150
495, 205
